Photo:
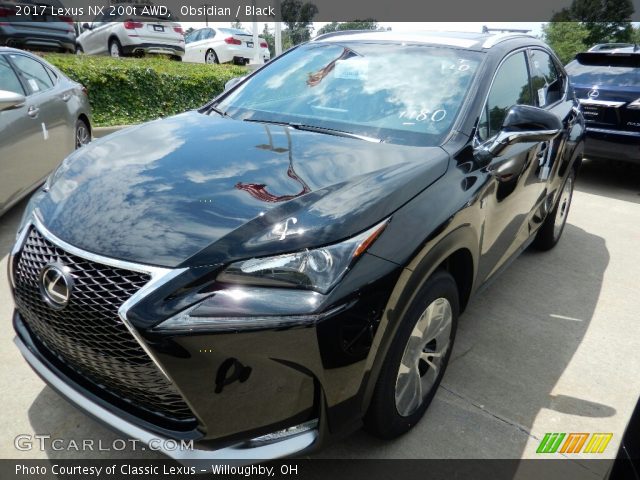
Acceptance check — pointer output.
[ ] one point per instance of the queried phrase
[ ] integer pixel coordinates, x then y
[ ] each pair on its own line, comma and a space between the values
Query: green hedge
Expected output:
133, 90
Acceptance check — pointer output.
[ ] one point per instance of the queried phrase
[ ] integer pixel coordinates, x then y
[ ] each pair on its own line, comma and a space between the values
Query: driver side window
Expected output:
510, 87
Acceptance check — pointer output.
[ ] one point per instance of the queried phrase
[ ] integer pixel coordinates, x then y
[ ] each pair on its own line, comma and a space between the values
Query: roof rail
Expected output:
338, 33
501, 37
486, 29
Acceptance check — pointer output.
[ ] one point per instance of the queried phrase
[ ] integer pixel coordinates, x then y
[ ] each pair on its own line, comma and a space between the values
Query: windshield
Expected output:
396, 93
603, 75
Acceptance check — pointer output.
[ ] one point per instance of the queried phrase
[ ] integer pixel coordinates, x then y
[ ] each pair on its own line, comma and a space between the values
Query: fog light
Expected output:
282, 434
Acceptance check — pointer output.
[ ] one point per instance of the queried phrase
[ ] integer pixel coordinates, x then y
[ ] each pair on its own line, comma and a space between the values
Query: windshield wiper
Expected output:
316, 129
213, 108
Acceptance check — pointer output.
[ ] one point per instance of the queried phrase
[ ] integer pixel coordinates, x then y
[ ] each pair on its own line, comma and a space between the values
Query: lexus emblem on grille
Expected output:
594, 93
56, 284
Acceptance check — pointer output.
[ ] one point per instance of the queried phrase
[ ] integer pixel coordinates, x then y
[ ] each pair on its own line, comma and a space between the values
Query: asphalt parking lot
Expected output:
550, 346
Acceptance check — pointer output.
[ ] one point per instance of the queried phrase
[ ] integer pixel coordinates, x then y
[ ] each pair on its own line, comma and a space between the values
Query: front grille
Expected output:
87, 335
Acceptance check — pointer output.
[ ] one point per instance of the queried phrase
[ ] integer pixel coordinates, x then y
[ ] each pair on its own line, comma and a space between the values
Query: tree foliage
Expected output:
604, 20
298, 18
566, 38
368, 24
588, 22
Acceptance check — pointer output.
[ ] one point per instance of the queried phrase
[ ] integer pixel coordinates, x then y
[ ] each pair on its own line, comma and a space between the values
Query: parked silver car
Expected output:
44, 116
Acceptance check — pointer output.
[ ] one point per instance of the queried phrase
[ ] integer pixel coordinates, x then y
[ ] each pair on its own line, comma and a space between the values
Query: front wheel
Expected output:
553, 226
416, 360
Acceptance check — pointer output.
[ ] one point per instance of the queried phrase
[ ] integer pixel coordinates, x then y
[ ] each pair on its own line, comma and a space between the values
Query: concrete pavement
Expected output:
550, 346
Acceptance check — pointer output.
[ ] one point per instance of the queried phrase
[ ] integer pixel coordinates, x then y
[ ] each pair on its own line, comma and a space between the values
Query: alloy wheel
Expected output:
563, 207
82, 135
423, 356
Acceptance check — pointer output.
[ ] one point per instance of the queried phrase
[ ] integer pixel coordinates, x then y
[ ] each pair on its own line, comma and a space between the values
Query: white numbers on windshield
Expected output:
423, 115
461, 66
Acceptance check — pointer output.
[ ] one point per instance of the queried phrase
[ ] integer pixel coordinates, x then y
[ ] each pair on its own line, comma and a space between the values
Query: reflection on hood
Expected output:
162, 192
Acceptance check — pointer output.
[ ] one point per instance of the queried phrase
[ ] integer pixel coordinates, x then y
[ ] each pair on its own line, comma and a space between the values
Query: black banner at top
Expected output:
270, 11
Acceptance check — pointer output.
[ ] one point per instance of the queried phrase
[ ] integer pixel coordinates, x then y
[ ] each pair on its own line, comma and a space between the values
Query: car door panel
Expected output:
513, 178
47, 114
19, 136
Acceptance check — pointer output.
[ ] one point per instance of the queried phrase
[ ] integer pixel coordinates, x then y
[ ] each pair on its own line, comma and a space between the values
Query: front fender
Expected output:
411, 280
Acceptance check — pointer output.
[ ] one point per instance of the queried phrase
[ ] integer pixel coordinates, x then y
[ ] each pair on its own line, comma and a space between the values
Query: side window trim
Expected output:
7, 59
52, 75
23, 80
560, 71
477, 141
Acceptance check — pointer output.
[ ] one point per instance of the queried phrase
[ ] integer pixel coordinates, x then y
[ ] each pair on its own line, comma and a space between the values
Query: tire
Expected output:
396, 406
210, 57
79, 50
553, 226
115, 49
176, 58
82, 133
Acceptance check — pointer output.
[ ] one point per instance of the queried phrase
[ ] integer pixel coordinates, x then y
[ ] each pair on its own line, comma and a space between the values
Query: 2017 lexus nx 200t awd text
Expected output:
289, 262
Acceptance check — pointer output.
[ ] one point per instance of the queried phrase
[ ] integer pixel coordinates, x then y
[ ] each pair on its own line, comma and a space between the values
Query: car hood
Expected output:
199, 189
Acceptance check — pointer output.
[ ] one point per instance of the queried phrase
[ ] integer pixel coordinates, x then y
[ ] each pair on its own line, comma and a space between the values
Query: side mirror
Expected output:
233, 82
86, 26
9, 100
523, 123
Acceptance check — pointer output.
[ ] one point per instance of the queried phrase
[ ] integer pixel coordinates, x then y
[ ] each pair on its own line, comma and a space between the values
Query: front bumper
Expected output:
249, 388
248, 451
612, 145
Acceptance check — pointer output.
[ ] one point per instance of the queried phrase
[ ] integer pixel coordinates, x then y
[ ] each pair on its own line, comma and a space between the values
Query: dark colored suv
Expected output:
27, 24
290, 261
607, 82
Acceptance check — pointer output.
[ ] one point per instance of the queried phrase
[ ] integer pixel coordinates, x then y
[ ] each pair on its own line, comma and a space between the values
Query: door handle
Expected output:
65, 96
33, 111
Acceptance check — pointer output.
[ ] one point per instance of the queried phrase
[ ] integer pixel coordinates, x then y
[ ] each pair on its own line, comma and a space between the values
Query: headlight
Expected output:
318, 269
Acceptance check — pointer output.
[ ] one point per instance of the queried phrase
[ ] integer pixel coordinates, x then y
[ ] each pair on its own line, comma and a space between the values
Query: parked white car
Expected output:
222, 45
135, 36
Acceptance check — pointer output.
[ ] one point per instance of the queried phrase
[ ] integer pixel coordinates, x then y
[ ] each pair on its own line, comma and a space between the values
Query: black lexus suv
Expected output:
607, 82
289, 262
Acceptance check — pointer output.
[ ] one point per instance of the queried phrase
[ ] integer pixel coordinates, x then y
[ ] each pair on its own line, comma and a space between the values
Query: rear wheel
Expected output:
416, 360
553, 226
83, 134
115, 49
211, 57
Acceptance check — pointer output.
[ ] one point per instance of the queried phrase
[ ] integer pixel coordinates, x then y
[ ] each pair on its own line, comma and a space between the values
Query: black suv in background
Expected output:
22, 27
289, 262
607, 82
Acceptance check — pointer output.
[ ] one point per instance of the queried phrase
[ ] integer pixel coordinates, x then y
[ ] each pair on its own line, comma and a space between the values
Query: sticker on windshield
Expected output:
356, 68
34, 85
